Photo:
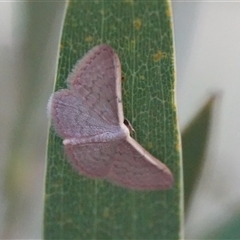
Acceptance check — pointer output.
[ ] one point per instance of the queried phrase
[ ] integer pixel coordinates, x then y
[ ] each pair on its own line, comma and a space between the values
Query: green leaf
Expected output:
229, 230
194, 143
77, 207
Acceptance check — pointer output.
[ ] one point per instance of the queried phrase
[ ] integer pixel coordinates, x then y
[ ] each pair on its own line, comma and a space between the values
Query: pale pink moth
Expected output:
89, 117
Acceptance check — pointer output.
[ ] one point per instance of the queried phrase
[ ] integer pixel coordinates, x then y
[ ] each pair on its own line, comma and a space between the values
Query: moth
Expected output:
88, 116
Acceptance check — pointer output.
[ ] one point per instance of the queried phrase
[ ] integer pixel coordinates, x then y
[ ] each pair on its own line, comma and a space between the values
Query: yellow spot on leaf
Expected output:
89, 39
150, 145
137, 23
106, 213
169, 12
159, 55
178, 146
